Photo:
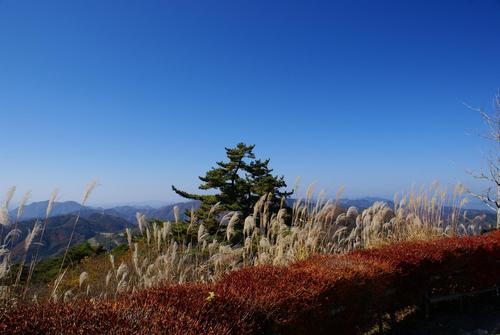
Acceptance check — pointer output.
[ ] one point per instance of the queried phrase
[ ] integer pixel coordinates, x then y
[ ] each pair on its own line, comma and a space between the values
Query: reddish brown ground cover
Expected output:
323, 294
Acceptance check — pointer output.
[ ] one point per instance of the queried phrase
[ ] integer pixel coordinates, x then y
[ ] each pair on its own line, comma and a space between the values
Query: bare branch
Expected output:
486, 199
481, 175
491, 121
494, 173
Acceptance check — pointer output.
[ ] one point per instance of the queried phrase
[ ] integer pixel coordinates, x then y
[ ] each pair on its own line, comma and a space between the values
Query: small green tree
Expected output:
239, 182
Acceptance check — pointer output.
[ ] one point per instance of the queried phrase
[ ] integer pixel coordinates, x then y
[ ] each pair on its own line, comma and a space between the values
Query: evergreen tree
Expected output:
239, 183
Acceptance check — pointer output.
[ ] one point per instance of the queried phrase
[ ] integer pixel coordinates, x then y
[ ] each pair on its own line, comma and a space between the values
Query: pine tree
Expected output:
238, 183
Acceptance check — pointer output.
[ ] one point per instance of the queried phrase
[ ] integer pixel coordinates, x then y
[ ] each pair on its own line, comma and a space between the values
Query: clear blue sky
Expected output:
145, 94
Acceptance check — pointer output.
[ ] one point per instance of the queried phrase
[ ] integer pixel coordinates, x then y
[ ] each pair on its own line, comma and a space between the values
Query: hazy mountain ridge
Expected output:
128, 212
99, 226
58, 231
163, 213
38, 210
103, 226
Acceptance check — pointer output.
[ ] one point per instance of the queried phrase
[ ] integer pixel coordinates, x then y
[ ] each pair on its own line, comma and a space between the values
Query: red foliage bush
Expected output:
317, 295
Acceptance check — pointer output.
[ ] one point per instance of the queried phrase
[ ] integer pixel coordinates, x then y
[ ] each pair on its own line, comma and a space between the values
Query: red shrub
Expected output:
317, 295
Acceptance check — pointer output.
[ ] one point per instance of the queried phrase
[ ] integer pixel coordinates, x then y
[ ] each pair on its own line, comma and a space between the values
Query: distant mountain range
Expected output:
37, 210
105, 226
96, 225
58, 231
163, 213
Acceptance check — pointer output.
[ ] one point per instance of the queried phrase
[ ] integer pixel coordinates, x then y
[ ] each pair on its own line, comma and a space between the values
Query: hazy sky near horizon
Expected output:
146, 94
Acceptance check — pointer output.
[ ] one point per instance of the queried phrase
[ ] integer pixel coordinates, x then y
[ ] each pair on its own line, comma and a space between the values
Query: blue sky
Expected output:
145, 94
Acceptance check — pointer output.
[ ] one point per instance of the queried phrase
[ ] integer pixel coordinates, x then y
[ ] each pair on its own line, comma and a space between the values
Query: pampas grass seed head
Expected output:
22, 203
88, 191
52, 199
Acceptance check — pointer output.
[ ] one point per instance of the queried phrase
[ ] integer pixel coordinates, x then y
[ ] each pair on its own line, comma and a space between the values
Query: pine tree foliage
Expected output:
236, 185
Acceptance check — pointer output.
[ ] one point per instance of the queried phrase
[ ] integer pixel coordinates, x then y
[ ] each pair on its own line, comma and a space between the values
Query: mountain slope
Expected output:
58, 231
39, 209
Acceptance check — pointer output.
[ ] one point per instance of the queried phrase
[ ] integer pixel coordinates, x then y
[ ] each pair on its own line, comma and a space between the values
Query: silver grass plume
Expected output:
56, 285
122, 270
225, 219
173, 254
192, 220
140, 221
281, 215
135, 260
108, 277
83, 277
249, 225
122, 284
4, 267
148, 235
213, 209
230, 226
52, 199
67, 296
201, 233
248, 244
112, 261
31, 235
167, 228
339, 193
309, 192
4, 216
176, 213
14, 233
296, 186
22, 203
9, 195
3, 251
129, 237
155, 230
212, 247
4, 210
88, 191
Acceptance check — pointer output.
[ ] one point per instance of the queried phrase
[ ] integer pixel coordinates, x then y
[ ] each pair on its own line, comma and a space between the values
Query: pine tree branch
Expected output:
191, 195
